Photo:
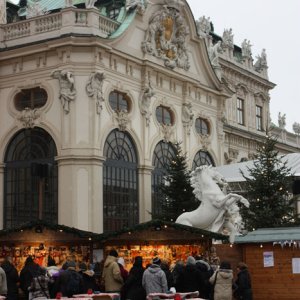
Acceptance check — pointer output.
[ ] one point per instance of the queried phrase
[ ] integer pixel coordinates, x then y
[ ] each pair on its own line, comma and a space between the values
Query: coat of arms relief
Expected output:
165, 38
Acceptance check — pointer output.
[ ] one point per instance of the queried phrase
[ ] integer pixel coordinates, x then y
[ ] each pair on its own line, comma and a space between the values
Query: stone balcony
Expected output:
68, 21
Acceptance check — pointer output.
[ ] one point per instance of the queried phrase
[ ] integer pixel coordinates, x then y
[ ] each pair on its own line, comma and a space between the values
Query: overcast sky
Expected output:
270, 24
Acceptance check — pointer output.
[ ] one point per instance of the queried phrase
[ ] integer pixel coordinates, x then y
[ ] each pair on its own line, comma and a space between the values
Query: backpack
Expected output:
74, 284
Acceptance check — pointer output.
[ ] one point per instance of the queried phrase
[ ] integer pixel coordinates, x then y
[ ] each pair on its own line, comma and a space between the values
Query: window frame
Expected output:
161, 119
259, 117
200, 129
116, 105
33, 102
240, 105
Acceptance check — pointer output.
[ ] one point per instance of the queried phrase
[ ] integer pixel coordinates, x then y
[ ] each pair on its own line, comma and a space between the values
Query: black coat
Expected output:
12, 279
133, 288
205, 287
190, 279
29, 271
244, 288
89, 282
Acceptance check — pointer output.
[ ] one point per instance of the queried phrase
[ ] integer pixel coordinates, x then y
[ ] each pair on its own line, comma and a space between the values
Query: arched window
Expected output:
163, 155
202, 126
30, 178
164, 115
30, 98
120, 182
202, 158
119, 101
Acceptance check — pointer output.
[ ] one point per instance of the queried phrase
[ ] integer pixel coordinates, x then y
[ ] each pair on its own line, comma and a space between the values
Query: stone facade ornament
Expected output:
227, 39
281, 121
3, 19
69, 3
67, 91
296, 128
205, 141
90, 3
94, 89
203, 26
187, 116
122, 118
246, 49
28, 117
165, 38
261, 62
145, 101
34, 9
213, 53
132, 4
167, 131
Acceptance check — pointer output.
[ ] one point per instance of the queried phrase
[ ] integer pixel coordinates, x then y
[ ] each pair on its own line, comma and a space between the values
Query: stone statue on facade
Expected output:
69, 3
296, 128
28, 116
147, 94
122, 119
131, 4
218, 211
246, 49
35, 9
187, 115
261, 63
3, 19
227, 39
94, 89
203, 26
165, 38
90, 3
67, 91
213, 53
281, 120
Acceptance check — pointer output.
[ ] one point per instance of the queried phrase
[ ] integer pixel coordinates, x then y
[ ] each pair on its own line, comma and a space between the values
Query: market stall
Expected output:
43, 241
170, 241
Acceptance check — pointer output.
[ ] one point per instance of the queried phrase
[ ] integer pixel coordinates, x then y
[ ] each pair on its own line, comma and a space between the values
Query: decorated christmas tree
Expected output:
177, 191
268, 190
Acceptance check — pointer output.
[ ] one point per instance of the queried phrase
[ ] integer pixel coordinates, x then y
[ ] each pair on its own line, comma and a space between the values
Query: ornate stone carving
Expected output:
227, 39
261, 62
296, 128
3, 19
165, 38
67, 91
231, 156
281, 121
28, 117
34, 9
203, 26
122, 119
90, 3
69, 3
213, 53
246, 49
205, 141
187, 116
94, 89
132, 4
145, 101
167, 131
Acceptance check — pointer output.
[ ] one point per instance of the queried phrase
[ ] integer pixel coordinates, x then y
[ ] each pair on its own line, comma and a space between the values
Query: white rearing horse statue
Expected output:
216, 210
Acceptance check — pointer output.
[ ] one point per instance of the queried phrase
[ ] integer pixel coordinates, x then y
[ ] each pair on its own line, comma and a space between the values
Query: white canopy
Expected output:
232, 173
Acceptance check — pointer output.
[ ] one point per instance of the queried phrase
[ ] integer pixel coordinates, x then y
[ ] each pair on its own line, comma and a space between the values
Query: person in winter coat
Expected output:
243, 283
165, 267
154, 278
205, 273
39, 287
111, 275
222, 280
89, 280
3, 283
190, 276
177, 275
133, 288
12, 279
30, 270
124, 272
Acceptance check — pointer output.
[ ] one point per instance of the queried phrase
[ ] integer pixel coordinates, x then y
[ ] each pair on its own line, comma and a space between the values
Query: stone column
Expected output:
1, 194
145, 193
80, 192
3, 19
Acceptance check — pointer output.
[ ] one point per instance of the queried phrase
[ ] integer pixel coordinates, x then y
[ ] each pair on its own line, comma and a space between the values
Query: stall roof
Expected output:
39, 225
157, 230
232, 172
265, 235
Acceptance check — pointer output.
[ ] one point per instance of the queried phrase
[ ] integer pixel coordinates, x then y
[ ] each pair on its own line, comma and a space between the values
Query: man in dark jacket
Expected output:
154, 278
12, 279
243, 283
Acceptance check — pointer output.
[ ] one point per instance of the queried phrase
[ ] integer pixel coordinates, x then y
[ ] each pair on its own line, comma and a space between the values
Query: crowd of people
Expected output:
195, 274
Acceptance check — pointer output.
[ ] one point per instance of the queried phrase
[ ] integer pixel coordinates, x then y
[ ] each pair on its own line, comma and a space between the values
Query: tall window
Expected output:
120, 182
162, 158
164, 115
240, 111
30, 178
202, 126
30, 98
202, 158
258, 117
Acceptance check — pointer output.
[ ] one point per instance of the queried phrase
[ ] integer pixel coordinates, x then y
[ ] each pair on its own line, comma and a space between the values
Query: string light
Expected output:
261, 246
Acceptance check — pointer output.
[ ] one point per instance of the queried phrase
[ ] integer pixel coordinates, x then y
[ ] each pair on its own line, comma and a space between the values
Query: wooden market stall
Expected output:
273, 259
41, 240
169, 241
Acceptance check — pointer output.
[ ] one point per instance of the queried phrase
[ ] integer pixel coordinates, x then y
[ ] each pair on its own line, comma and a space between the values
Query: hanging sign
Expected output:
268, 259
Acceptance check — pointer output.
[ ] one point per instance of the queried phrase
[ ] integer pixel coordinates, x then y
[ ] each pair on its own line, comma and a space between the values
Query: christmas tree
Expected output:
268, 186
177, 191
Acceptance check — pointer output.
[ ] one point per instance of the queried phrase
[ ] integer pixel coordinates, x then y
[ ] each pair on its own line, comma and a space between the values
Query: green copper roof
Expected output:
267, 235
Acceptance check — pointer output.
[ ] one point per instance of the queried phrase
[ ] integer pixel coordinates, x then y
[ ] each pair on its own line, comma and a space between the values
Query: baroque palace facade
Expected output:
94, 93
